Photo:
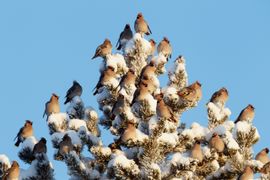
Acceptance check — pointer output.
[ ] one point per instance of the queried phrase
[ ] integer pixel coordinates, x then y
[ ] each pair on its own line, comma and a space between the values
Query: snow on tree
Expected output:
145, 119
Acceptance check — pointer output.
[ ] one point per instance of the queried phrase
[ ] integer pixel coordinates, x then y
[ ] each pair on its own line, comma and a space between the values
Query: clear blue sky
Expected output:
45, 45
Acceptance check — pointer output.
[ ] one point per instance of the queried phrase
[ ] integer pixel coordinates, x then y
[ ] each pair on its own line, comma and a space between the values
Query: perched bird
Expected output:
247, 114
187, 94
13, 172
220, 97
141, 25
217, 143
104, 49
128, 79
140, 93
119, 105
105, 78
52, 106
125, 35
153, 46
148, 71
198, 90
40, 147
65, 146
263, 156
74, 90
129, 133
196, 152
164, 47
25, 132
164, 111
247, 174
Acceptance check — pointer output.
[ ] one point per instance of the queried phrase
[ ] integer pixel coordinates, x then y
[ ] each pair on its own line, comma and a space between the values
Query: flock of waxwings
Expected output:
141, 26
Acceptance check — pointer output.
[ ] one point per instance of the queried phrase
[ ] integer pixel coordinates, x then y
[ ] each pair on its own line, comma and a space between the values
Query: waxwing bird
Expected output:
52, 106
217, 143
104, 49
247, 114
187, 94
196, 152
148, 71
165, 48
141, 25
153, 46
247, 174
263, 156
25, 132
107, 75
220, 97
128, 79
65, 146
13, 172
198, 90
164, 111
74, 90
119, 105
40, 147
141, 92
129, 133
125, 35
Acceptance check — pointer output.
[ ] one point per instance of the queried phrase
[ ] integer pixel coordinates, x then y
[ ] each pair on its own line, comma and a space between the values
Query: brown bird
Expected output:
141, 25
266, 168
247, 114
217, 143
220, 97
198, 90
104, 49
164, 47
40, 147
196, 152
119, 105
128, 79
65, 146
13, 172
74, 90
125, 35
140, 93
164, 111
52, 106
263, 156
25, 132
148, 71
187, 94
129, 133
105, 78
247, 174
153, 46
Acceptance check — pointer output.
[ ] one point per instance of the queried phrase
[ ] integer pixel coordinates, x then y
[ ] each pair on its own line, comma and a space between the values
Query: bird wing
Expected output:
238, 118
99, 84
149, 29
120, 37
214, 96
18, 134
45, 108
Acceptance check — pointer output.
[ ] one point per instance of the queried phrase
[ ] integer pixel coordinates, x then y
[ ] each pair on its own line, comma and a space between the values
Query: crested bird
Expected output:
247, 174
196, 151
25, 132
129, 133
141, 26
165, 48
220, 97
164, 111
104, 49
263, 156
13, 172
105, 78
125, 36
65, 146
217, 143
247, 114
198, 90
52, 106
74, 90
40, 147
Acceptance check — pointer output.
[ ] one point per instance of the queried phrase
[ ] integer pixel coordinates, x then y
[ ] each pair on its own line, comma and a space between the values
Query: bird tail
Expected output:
236, 121
67, 100
119, 47
94, 56
17, 143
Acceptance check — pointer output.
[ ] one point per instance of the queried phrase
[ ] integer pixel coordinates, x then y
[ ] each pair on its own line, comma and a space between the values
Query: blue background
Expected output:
45, 45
